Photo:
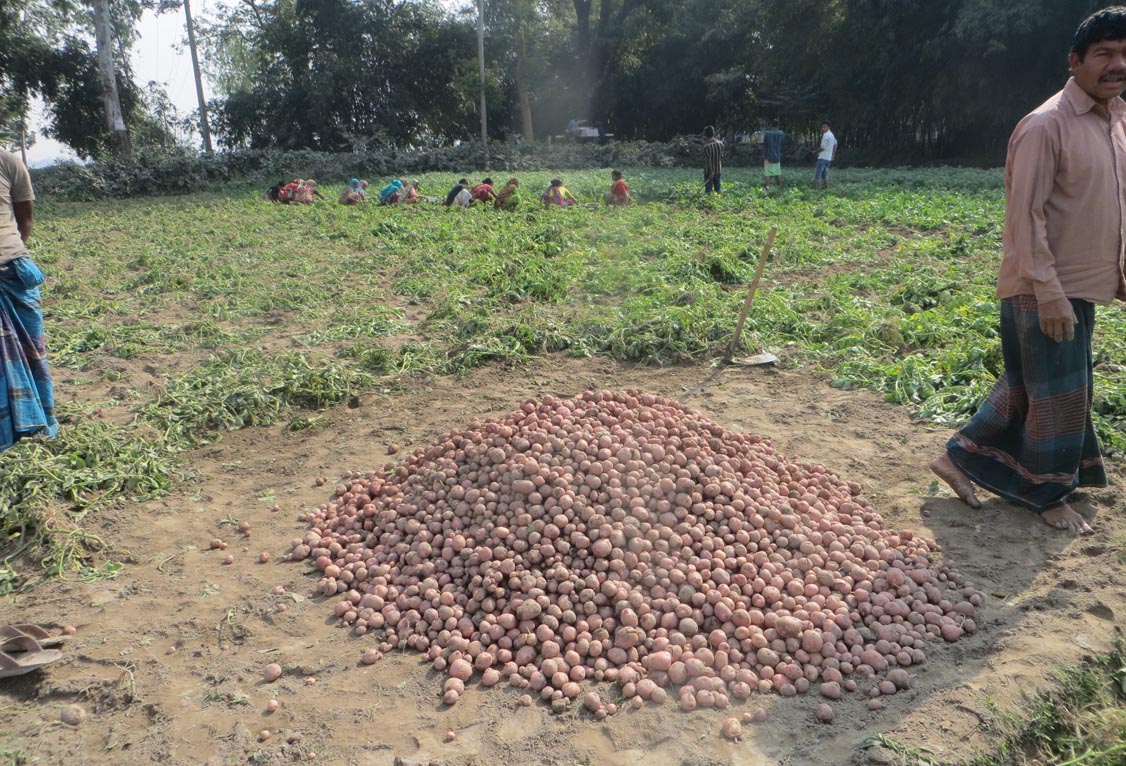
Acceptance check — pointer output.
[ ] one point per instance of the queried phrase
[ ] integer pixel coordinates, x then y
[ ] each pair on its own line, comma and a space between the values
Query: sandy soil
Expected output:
167, 658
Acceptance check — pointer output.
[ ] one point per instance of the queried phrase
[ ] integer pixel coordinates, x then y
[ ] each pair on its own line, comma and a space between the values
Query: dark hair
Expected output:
826, 124
557, 182
1107, 24
615, 174
709, 132
463, 181
488, 181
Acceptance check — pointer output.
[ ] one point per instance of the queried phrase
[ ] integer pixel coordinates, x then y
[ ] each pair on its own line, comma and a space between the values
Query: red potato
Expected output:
732, 729
619, 537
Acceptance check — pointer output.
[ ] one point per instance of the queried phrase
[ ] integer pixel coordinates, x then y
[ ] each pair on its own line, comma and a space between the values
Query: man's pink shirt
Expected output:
1065, 208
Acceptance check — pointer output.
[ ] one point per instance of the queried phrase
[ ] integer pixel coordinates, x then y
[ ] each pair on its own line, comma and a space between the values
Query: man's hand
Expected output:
1057, 319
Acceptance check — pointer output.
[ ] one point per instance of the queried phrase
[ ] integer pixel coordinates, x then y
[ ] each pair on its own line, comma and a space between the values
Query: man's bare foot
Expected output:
945, 469
1064, 517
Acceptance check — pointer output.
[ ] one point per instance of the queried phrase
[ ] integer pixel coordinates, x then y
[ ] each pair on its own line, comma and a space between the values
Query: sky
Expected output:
159, 54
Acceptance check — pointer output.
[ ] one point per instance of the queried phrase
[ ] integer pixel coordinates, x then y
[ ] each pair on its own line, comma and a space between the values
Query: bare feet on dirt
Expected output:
1064, 517
945, 469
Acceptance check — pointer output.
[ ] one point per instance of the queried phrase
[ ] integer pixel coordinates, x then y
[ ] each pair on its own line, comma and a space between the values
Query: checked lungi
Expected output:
27, 399
1032, 441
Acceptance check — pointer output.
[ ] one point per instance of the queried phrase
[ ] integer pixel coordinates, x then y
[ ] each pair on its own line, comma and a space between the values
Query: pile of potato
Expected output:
621, 537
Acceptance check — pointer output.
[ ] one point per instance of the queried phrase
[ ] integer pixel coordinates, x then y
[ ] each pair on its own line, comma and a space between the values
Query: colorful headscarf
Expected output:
387, 191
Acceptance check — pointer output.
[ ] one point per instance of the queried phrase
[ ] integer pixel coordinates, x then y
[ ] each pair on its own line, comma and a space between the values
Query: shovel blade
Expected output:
757, 360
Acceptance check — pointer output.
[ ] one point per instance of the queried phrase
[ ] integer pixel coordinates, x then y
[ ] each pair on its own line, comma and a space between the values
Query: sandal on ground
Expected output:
24, 655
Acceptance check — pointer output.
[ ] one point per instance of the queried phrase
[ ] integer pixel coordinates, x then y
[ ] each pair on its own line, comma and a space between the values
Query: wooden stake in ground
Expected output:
751, 293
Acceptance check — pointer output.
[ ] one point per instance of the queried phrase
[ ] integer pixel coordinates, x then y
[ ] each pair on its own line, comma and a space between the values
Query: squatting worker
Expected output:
1032, 441
713, 161
27, 400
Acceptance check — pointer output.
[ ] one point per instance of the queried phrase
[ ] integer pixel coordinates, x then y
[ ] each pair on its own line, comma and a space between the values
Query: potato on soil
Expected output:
72, 715
732, 729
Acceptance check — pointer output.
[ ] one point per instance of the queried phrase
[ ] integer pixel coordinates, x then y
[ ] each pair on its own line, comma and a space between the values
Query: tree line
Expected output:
901, 80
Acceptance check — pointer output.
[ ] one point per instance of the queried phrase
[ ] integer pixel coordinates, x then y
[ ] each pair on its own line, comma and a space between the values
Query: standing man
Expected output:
1032, 442
713, 161
825, 156
772, 156
27, 399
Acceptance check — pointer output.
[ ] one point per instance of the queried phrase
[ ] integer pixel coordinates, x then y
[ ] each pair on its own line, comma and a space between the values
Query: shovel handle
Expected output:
751, 291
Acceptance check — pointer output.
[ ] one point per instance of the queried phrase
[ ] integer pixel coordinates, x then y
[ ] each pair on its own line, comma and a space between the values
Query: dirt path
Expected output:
168, 656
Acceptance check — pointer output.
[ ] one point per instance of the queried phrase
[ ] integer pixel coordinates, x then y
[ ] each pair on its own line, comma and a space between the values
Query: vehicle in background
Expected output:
585, 130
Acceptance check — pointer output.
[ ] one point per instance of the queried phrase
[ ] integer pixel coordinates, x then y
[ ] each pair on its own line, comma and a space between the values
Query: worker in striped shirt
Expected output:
713, 161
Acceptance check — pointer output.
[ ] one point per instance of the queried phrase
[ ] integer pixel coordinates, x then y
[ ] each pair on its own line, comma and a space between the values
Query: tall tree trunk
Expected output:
115, 122
588, 74
204, 126
526, 127
597, 48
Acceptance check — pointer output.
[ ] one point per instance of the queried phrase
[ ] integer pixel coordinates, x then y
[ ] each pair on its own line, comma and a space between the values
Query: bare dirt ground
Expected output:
168, 656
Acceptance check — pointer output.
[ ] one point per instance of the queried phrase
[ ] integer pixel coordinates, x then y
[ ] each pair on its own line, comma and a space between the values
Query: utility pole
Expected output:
23, 139
481, 59
204, 128
115, 123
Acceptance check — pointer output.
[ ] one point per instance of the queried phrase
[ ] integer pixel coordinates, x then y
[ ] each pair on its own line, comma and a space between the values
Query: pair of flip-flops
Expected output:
25, 647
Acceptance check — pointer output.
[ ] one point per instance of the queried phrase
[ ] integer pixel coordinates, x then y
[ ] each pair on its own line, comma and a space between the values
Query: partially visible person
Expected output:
557, 194
307, 192
452, 196
27, 396
825, 156
772, 156
508, 198
353, 193
619, 190
391, 193
290, 191
1033, 441
713, 161
276, 193
412, 195
484, 191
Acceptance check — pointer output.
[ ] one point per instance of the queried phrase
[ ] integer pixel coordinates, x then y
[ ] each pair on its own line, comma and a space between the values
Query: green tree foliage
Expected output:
334, 74
45, 50
901, 80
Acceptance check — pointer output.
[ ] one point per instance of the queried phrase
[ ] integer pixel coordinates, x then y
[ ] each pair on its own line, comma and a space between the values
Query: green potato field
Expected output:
217, 337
